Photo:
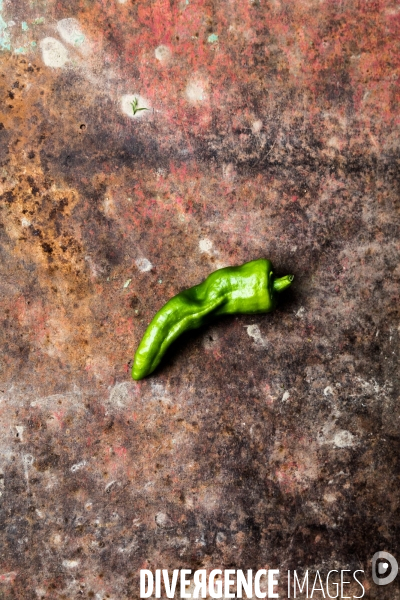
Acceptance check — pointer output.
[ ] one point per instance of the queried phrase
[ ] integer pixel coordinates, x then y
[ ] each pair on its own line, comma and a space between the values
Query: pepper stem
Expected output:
281, 283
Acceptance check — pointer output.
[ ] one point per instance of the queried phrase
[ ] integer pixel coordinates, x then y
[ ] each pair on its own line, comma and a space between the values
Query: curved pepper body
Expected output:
248, 289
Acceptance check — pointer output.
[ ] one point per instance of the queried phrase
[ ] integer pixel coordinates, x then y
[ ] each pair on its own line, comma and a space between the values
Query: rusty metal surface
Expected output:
272, 130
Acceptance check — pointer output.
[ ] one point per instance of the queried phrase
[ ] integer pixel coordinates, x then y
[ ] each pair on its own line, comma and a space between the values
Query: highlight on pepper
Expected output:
250, 288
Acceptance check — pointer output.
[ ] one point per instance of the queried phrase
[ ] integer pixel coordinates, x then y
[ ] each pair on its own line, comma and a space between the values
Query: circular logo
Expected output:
384, 568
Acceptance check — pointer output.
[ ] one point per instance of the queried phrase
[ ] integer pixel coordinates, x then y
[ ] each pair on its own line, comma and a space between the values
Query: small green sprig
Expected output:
135, 108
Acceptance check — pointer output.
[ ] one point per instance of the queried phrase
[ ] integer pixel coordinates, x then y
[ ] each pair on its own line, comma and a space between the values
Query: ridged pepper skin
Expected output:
248, 289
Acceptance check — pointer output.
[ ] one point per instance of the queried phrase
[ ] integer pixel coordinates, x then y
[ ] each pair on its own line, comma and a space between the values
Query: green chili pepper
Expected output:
248, 289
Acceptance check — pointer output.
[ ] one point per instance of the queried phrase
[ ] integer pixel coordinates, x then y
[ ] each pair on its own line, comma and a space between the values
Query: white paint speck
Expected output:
109, 485
27, 460
220, 537
56, 539
94, 269
70, 564
25, 222
158, 391
132, 545
229, 172
126, 105
144, 265
256, 126
78, 466
254, 332
285, 396
20, 432
344, 439
334, 142
328, 391
108, 206
162, 519
330, 498
163, 53
196, 92
54, 53
205, 245
300, 313
70, 31
119, 394
127, 282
